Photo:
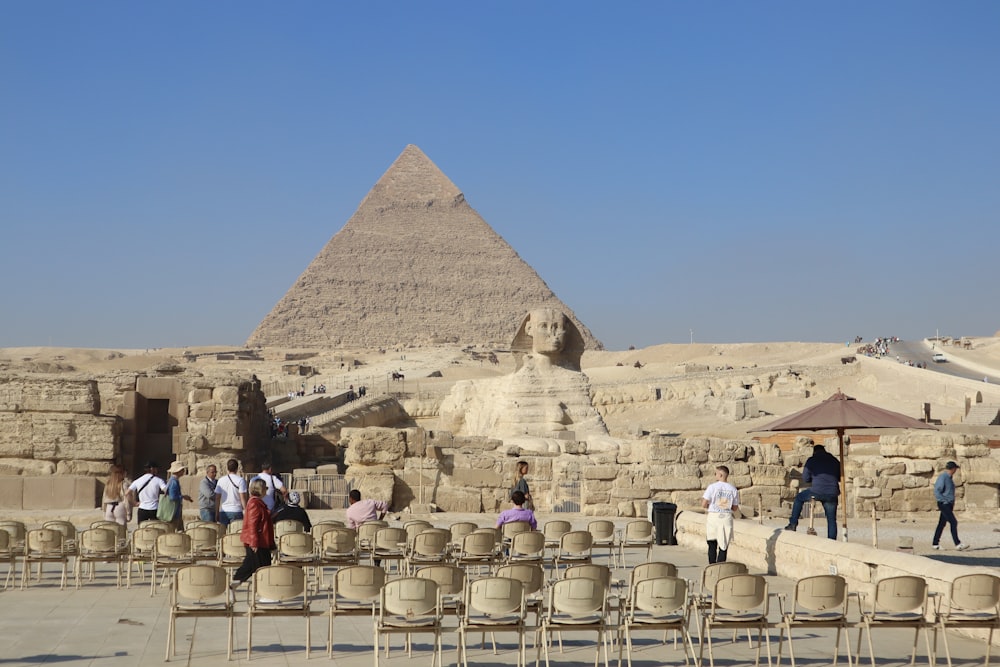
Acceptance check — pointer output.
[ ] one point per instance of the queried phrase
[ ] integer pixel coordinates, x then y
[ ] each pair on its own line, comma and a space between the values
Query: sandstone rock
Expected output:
980, 471
668, 483
41, 395
26, 467
85, 468
458, 499
374, 482
374, 446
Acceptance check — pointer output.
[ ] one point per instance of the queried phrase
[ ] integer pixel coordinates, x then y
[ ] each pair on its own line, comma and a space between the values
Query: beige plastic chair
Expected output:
527, 547
339, 548
428, 547
9, 556
818, 602
323, 527
554, 530
579, 604
43, 545
121, 531
898, 602
603, 532
141, 551
232, 551
451, 585
98, 545
298, 549
509, 530
657, 603
493, 604
638, 535
17, 531
414, 528
279, 590
390, 545
575, 548
366, 535
738, 601
532, 578
479, 550
68, 531
204, 542
356, 590
156, 524
234, 526
973, 602
199, 591
408, 606
172, 551
458, 532
709, 576
286, 526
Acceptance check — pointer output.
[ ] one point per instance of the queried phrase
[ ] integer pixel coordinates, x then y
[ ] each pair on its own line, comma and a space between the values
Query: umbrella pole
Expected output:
843, 483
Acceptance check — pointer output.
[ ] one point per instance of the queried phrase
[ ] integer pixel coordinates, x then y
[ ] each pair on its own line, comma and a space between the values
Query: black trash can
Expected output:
663, 522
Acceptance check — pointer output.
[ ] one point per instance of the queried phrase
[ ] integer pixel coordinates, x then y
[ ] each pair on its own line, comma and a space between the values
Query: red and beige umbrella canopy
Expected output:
839, 413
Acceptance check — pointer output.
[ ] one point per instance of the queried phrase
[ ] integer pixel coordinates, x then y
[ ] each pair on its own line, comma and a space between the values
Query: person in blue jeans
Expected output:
944, 494
822, 469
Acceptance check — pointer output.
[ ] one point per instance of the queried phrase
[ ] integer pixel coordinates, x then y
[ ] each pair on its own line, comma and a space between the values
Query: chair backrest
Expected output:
98, 541
741, 593
553, 530
496, 533
512, 528
120, 530
414, 528
529, 544
321, 529
235, 526
432, 542
901, 594
449, 578
577, 597
821, 593
232, 546
576, 542
339, 540
367, 530
460, 529
44, 541
201, 583
652, 570
495, 596
600, 573
5, 543
390, 539
975, 592
410, 596
161, 526
204, 537
16, 529
479, 543
286, 526
279, 582
67, 529
296, 545
712, 573
219, 529
330, 522
659, 595
144, 540
531, 575
358, 583
639, 530
601, 530
173, 545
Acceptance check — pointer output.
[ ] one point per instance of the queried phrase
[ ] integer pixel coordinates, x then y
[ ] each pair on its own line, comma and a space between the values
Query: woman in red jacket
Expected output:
257, 535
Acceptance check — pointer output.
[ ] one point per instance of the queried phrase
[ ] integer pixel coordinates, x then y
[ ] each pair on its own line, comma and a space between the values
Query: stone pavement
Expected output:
103, 625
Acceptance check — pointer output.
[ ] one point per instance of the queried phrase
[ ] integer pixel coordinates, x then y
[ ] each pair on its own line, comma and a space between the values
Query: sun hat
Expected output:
951, 465
176, 467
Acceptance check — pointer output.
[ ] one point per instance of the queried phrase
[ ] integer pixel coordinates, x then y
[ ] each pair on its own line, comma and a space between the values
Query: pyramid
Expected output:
415, 264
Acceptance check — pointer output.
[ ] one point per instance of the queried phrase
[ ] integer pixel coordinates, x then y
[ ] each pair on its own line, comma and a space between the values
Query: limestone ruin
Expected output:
414, 265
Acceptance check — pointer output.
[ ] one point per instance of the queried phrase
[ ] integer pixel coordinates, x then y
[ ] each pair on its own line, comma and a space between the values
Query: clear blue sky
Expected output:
751, 171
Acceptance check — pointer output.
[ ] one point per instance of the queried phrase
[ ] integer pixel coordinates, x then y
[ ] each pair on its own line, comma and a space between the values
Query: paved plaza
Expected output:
104, 625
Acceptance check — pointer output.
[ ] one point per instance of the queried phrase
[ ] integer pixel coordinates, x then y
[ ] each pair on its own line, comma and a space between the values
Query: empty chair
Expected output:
428, 547
512, 528
43, 545
603, 532
458, 532
297, 549
638, 535
156, 524
68, 531
527, 547
141, 548
493, 604
575, 548
973, 602
339, 548
389, 545
278, 590
738, 601
9, 556
321, 528
898, 602
356, 589
479, 550
17, 531
120, 531
577, 604
199, 591
172, 551
204, 541
232, 551
818, 602
98, 545
287, 526
553, 531
366, 535
414, 528
657, 603
451, 585
532, 578
651, 570
407, 606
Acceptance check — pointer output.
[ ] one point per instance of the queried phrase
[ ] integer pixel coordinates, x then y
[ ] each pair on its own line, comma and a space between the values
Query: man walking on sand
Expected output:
944, 494
721, 499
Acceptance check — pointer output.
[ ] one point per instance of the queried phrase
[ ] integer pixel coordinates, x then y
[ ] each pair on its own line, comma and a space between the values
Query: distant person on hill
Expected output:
822, 469
721, 499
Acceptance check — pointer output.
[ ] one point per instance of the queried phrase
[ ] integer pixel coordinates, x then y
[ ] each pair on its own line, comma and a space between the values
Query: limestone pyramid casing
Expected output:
415, 264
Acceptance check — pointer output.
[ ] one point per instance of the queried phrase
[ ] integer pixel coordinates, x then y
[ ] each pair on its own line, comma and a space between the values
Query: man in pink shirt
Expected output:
363, 510
517, 513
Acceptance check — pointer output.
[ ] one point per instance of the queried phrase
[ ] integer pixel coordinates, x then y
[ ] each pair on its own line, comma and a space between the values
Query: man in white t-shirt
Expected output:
274, 485
230, 494
721, 499
146, 491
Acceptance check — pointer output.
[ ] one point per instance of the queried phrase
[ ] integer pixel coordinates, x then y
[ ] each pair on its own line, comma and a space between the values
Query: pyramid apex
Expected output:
413, 177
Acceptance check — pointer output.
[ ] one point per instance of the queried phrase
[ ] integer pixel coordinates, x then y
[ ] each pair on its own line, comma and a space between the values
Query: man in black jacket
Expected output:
823, 470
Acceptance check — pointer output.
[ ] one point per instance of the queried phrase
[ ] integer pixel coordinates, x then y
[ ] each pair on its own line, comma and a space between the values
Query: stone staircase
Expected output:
983, 414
